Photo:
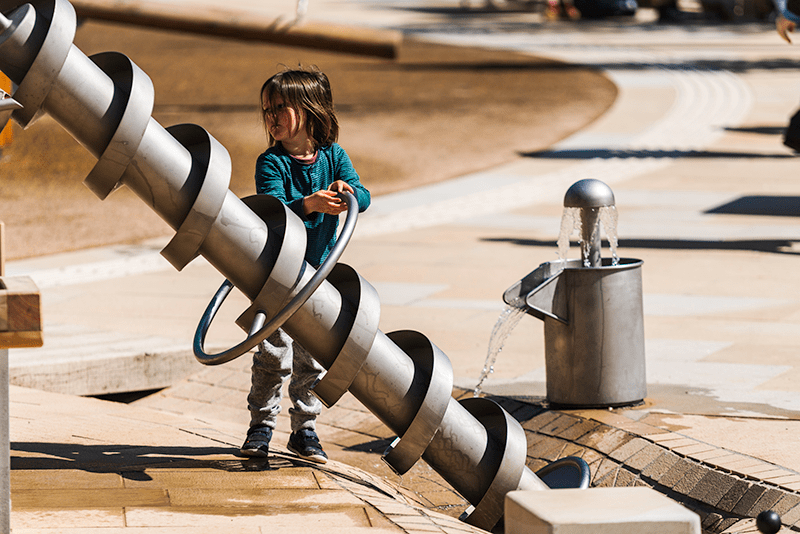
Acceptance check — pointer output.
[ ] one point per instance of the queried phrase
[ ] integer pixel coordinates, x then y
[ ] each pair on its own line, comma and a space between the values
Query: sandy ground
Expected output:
436, 112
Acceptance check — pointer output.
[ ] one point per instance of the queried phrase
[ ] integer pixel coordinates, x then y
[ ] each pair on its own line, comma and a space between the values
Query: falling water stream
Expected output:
570, 222
508, 319
513, 313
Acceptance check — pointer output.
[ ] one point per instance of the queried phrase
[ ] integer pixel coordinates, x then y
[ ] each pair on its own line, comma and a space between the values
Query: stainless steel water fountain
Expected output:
592, 313
105, 102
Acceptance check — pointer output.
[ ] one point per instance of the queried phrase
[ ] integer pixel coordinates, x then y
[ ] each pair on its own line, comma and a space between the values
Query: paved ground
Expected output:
706, 195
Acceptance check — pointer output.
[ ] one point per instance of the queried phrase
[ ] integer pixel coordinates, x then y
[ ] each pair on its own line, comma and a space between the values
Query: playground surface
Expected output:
707, 196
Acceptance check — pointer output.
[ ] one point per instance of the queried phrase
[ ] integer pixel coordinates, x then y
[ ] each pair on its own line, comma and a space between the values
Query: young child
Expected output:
305, 169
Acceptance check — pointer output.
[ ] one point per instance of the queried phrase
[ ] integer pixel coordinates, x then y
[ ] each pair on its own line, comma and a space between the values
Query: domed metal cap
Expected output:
588, 193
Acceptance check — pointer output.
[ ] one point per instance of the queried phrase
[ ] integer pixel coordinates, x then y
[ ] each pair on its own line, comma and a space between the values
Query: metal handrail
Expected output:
260, 331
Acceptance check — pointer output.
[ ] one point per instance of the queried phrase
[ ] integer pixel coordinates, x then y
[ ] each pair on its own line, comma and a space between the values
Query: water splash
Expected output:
586, 246
609, 218
508, 319
570, 222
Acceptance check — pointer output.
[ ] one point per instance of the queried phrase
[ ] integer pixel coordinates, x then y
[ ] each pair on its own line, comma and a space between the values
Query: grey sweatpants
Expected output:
276, 359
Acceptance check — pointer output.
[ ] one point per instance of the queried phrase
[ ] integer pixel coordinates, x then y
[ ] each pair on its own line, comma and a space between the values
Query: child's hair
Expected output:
309, 91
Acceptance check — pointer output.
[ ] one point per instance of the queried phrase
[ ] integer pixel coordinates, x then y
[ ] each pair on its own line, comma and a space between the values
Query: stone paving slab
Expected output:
80, 464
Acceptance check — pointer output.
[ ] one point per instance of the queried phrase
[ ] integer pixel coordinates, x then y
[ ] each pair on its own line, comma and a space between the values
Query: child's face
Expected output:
284, 122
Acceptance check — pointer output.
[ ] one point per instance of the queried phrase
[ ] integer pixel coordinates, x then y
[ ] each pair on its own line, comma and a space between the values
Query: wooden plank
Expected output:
246, 26
2, 248
20, 313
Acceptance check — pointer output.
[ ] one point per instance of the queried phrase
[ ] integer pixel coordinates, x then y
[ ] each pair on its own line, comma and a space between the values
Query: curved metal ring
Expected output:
568, 472
281, 317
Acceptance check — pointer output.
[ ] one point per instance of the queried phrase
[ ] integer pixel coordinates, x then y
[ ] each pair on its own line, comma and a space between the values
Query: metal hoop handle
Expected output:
258, 333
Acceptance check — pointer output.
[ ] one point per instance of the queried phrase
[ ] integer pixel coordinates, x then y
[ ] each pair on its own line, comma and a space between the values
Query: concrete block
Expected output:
597, 511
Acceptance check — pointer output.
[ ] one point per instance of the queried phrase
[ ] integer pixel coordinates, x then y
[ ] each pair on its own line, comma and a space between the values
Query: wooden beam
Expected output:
20, 313
246, 26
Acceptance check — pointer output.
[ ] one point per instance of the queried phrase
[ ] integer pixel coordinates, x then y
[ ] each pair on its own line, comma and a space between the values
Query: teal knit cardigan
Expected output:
280, 175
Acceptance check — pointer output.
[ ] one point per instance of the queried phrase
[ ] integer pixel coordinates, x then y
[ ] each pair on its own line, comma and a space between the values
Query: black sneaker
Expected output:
305, 444
257, 442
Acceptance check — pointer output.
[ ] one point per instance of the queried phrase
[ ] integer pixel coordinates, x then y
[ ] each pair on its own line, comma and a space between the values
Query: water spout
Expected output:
589, 196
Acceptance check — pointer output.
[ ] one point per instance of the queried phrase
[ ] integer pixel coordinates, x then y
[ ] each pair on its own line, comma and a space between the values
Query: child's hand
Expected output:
784, 27
324, 201
340, 186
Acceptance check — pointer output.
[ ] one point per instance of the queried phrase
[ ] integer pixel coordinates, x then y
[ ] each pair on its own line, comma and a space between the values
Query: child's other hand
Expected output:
784, 28
324, 201
340, 186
